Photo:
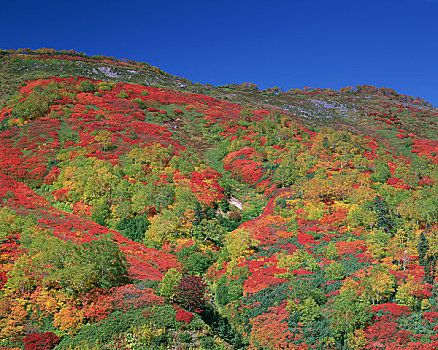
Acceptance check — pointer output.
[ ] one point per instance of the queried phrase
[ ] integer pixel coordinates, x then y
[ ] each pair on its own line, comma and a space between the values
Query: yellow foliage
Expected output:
48, 303
379, 285
425, 304
285, 234
239, 242
350, 286
406, 291
68, 319
315, 211
357, 339
12, 326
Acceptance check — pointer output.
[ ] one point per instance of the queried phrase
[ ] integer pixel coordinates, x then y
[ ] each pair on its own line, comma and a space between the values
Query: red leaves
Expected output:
431, 316
40, 341
129, 297
183, 315
190, 293
392, 309
263, 274
428, 148
243, 164
3, 279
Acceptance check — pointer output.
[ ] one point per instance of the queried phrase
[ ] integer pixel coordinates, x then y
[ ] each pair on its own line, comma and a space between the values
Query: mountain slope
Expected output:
141, 210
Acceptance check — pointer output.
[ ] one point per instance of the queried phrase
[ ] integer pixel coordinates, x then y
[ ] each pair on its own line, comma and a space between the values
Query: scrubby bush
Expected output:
40, 341
190, 293
134, 228
87, 86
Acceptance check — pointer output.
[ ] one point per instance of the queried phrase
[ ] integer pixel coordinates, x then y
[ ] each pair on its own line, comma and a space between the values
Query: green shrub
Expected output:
185, 337
104, 87
38, 102
207, 343
87, 86
197, 264
409, 143
160, 341
164, 316
134, 228
335, 271
104, 331
381, 173
122, 94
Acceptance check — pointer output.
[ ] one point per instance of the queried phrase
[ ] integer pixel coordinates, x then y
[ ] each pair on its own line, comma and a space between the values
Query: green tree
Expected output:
325, 143
221, 296
134, 228
381, 172
87, 86
209, 230
169, 283
103, 139
310, 310
348, 314
108, 261
385, 219
245, 114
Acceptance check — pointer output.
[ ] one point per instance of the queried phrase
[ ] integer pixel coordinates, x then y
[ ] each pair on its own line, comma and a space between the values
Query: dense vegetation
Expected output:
142, 211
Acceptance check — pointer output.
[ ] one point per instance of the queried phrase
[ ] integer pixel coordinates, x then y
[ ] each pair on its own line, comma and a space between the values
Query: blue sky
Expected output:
290, 44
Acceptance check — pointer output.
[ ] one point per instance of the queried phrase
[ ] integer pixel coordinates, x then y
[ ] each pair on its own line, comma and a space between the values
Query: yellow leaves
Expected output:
47, 303
145, 333
289, 262
137, 155
68, 319
21, 279
425, 304
293, 202
4, 258
285, 234
378, 285
315, 211
69, 172
357, 339
232, 265
239, 242
338, 205
12, 325
406, 292
350, 286
103, 138
164, 227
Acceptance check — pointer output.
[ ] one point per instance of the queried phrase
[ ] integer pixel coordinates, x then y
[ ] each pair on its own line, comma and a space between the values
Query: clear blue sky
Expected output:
289, 43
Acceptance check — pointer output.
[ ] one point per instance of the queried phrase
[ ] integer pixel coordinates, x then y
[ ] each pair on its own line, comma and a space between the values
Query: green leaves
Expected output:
348, 313
109, 262
75, 268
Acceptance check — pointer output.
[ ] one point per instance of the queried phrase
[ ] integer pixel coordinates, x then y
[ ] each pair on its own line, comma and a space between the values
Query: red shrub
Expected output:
40, 341
183, 315
190, 293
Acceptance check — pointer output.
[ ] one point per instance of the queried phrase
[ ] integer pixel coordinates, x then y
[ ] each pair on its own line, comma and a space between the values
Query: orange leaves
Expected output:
69, 319
352, 247
47, 301
12, 318
269, 331
129, 296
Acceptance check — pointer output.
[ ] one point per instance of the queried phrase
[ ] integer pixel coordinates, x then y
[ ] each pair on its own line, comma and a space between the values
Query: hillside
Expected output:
140, 210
